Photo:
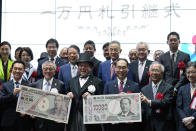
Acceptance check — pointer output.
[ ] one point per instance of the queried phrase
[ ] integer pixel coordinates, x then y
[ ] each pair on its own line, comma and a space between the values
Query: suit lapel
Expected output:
127, 86
161, 88
69, 71
108, 69
150, 92
136, 71
76, 85
11, 85
54, 84
40, 84
177, 61
87, 84
115, 87
146, 67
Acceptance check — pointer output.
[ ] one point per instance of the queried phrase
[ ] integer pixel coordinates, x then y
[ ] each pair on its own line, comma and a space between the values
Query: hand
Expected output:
190, 126
70, 94
187, 120
144, 99
32, 116
22, 114
86, 94
16, 91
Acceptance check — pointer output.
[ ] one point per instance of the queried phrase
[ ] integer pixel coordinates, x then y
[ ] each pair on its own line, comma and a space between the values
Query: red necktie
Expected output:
112, 70
121, 86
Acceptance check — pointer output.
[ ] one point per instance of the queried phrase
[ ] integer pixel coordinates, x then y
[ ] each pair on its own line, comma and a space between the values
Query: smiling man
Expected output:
156, 100
80, 87
141, 66
8, 100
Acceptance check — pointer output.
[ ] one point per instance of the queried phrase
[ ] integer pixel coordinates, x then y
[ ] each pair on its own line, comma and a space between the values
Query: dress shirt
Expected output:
124, 82
175, 56
53, 60
19, 82
45, 82
83, 81
74, 70
192, 89
141, 66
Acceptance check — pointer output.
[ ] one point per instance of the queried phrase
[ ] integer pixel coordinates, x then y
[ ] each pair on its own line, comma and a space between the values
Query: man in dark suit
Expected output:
141, 66
125, 105
89, 47
52, 48
121, 85
174, 62
106, 51
107, 68
70, 70
80, 87
171, 60
186, 100
12, 120
48, 83
156, 100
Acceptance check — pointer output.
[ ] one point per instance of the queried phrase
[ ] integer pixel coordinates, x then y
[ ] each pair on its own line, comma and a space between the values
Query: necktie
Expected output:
154, 91
47, 86
52, 60
121, 86
112, 70
140, 71
17, 86
172, 62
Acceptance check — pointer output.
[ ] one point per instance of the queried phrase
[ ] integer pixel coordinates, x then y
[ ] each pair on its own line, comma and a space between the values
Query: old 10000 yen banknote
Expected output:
47, 105
120, 108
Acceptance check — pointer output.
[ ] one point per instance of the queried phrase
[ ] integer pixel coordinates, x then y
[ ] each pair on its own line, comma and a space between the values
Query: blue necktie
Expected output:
47, 86
154, 89
17, 86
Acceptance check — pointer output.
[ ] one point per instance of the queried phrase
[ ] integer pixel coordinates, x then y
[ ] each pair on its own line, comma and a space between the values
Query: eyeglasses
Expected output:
46, 69
155, 70
116, 50
190, 72
121, 67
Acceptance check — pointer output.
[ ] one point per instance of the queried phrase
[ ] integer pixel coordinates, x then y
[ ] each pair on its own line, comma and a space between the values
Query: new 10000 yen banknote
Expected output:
120, 108
47, 105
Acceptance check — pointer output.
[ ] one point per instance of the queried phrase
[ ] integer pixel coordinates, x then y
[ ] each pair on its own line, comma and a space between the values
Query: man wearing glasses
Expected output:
107, 68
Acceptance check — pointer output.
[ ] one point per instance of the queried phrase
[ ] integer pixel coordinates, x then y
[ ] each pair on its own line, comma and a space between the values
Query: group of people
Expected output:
166, 85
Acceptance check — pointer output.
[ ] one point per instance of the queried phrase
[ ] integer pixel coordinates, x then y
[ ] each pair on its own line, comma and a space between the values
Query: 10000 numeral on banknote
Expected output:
43, 104
119, 108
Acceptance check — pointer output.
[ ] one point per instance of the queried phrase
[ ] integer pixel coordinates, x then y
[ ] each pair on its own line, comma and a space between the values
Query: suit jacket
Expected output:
145, 78
65, 74
173, 78
153, 120
96, 63
76, 114
59, 62
8, 101
183, 103
43, 124
112, 87
104, 72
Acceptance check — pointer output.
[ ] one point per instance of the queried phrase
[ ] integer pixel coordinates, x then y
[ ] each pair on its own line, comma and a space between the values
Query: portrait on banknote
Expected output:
118, 108
47, 105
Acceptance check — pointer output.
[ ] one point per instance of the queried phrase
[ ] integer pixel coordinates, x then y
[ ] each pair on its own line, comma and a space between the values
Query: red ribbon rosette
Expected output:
194, 93
148, 76
57, 69
158, 97
34, 74
129, 92
181, 65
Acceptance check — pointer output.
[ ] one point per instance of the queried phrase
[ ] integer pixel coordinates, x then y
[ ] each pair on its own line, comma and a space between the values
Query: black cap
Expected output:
85, 57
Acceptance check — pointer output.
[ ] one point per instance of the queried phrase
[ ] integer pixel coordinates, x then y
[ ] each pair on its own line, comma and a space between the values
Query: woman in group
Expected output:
5, 61
26, 55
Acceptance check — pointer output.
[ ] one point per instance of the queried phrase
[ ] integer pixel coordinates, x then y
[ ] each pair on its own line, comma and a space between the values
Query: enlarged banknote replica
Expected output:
44, 104
119, 108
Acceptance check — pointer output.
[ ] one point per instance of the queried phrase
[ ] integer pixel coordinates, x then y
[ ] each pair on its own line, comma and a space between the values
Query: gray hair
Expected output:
114, 41
157, 63
142, 43
48, 62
